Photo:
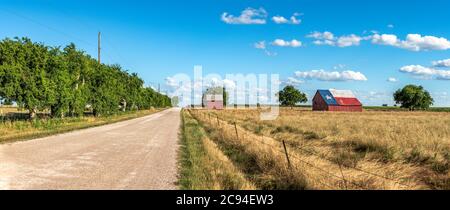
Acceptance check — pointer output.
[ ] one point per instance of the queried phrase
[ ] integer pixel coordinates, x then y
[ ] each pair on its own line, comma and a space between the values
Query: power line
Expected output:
50, 28
46, 26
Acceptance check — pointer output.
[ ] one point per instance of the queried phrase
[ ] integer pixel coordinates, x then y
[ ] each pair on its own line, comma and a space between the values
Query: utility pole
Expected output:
99, 46
159, 88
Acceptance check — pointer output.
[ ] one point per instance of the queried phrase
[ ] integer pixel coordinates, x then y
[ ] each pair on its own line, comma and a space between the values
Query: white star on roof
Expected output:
328, 97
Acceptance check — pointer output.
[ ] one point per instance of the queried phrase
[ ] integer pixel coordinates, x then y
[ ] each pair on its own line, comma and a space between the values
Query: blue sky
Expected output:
371, 41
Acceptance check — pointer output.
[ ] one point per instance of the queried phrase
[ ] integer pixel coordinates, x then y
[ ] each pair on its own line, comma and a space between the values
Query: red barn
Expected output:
336, 100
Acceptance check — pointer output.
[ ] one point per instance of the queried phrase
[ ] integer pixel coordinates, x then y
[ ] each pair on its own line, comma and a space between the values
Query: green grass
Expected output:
11, 130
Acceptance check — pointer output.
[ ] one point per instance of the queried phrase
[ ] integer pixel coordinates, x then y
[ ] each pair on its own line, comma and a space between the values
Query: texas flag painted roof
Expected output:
339, 97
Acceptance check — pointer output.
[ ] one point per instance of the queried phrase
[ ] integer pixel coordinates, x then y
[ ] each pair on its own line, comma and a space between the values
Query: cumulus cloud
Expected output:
283, 43
282, 20
295, 20
328, 38
442, 63
279, 19
426, 72
293, 81
417, 69
413, 42
248, 16
323, 75
392, 79
325, 42
321, 35
350, 40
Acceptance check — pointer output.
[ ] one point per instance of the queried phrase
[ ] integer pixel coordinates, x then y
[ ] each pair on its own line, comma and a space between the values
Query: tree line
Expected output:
67, 82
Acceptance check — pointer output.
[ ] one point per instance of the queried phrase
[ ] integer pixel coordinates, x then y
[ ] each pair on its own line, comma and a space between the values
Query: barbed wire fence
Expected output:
284, 149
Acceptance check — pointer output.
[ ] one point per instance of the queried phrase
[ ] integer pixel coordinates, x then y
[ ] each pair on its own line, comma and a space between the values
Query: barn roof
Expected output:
339, 97
327, 97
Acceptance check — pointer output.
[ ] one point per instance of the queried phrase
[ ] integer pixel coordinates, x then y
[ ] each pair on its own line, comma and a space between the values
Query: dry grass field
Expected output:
368, 150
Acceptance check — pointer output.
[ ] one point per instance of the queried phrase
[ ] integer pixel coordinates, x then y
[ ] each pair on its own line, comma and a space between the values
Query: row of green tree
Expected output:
412, 97
67, 81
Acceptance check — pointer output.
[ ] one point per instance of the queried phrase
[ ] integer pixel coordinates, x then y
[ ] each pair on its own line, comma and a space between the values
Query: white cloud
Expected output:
390, 26
426, 72
283, 43
321, 35
350, 40
324, 42
328, 38
293, 81
442, 63
392, 79
323, 75
282, 20
295, 20
385, 39
248, 16
414, 42
279, 19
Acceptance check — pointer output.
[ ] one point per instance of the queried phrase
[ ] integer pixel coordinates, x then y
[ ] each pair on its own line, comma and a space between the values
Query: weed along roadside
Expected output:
294, 153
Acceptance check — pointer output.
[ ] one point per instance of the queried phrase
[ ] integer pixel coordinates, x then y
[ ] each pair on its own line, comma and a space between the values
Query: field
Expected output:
368, 150
13, 129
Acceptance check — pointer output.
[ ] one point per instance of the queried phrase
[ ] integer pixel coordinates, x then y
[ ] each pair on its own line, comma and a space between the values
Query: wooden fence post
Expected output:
218, 123
235, 128
286, 153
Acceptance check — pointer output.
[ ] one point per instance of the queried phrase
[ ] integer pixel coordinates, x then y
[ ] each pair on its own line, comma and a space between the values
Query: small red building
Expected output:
336, 100
213, 101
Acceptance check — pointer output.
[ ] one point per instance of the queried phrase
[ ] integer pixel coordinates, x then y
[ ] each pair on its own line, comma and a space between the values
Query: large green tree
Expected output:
60, 83
290, 96
413, 97
81, 68
67, 81
23, 74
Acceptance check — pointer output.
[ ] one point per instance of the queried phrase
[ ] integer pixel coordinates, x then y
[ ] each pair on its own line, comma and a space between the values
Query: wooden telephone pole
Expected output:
99, 47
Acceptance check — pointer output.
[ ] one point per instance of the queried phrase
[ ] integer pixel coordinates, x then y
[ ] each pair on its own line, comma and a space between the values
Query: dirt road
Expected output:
134, 154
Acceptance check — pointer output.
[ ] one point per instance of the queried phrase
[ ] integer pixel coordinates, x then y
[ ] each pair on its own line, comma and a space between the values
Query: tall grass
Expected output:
409, 147
202, 165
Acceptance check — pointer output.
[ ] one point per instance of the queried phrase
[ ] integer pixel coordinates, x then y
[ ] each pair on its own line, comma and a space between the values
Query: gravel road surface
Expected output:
135, 154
